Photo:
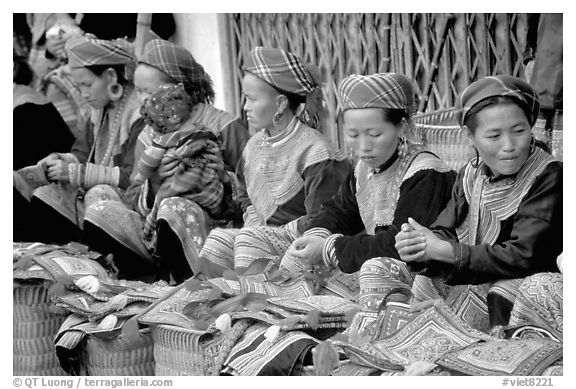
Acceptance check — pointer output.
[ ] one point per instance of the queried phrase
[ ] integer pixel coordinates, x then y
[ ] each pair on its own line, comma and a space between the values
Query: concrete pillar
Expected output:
207, 36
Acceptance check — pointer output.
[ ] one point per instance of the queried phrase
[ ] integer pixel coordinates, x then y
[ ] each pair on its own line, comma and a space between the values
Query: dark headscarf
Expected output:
496, 86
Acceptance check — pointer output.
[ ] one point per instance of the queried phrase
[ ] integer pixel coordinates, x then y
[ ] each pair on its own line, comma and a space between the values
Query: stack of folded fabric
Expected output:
37, 268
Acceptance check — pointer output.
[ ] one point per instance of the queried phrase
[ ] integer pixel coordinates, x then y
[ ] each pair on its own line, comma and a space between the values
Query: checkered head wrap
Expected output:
496, 86
286, 72
87, 51
380, 90
175, 61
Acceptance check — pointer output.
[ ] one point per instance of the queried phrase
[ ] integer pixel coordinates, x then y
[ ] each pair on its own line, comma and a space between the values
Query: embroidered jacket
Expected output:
362, 220
505, 227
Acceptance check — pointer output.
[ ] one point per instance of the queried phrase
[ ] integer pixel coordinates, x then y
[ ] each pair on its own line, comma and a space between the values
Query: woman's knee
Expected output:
99, 193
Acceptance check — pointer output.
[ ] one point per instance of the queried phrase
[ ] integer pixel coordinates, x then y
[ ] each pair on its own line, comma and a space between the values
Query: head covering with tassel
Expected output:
286, 72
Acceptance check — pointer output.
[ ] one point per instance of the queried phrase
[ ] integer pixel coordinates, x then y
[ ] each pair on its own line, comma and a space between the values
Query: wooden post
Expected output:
143, 24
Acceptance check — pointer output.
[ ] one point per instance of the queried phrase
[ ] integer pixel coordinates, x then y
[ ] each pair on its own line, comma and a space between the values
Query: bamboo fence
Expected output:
442, 53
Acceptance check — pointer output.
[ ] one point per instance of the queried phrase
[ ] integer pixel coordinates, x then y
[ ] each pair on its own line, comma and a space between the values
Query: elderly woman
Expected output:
182, 225
392, 180
288, 170
504, 220
100, 162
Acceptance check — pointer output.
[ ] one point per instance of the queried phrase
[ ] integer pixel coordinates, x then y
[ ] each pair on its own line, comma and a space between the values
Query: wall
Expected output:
207, 37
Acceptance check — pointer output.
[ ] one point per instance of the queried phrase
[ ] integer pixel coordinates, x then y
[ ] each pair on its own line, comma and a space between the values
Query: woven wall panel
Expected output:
442, 53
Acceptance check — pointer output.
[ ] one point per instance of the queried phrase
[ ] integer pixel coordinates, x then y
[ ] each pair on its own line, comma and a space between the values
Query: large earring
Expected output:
114, 91
402, 146
277, 118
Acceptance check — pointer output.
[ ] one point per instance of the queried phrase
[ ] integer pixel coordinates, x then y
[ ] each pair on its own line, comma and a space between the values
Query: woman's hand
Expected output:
307, 250
57, 170
416, 243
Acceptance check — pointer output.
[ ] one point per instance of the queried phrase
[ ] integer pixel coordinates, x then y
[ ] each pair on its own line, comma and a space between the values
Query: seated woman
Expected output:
392, 180
100, 162
504, 220
182, 225
289, 169
37, 130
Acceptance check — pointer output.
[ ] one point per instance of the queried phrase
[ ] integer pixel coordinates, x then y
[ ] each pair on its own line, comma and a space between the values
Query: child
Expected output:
197, 176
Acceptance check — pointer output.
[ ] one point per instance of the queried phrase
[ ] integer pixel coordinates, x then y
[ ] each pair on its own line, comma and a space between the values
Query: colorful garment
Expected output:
103, 155
287, 177
362, 220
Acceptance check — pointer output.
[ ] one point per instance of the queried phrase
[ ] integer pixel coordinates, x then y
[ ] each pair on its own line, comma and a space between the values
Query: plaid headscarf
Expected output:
286, 72
380, 90
175, 61
84, 51
495, 86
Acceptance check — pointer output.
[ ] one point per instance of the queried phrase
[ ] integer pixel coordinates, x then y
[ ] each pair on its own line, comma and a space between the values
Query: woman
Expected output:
289, 169
34, 117
182, 225
504, 220
100, 163
393, 179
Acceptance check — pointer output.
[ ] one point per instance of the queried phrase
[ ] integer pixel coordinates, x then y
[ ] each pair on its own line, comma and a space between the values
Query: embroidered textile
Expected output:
380, 90
516, 357
492, 202
273, 170
378, 193
327, 305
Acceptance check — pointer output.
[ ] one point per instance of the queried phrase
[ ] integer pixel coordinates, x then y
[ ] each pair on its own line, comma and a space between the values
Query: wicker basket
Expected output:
449, 143
34, 328
182, 352
117, 357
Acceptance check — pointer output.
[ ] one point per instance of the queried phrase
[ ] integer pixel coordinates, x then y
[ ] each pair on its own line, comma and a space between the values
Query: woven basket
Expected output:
117, 357
449, 143
182, 352
34, 328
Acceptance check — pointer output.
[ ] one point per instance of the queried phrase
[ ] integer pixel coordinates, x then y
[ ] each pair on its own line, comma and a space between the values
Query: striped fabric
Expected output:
193, 180
495, 86
83, 51
380, 90
175, 61
492, 202
281, 69
378, 194
254, 355
274, 166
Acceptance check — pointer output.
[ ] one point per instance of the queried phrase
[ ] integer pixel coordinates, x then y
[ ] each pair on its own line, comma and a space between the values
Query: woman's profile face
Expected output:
502, 137
147, 80
370, 136
260, 105
92, 87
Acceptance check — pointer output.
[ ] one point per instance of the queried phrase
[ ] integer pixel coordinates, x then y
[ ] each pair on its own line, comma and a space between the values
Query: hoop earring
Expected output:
277, 118
402, 146
532, 144
114, 91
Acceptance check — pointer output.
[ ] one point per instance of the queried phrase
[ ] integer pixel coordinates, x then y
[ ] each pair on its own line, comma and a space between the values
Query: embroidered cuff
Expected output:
96, 174
329, 252
75, 174
143, 207
461, 255
318, 231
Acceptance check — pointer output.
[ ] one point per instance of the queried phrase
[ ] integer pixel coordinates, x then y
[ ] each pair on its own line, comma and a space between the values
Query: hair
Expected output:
390, 115
471, 118
23, 73
199, 92
294, 100
120, 71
